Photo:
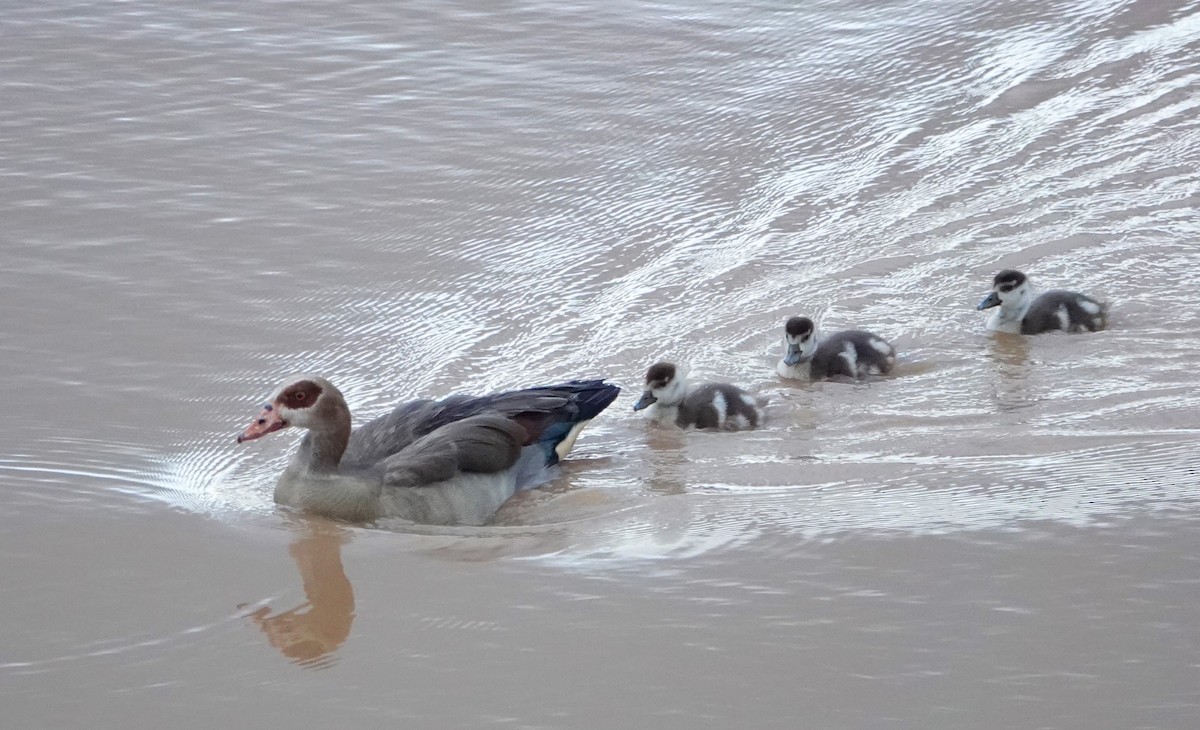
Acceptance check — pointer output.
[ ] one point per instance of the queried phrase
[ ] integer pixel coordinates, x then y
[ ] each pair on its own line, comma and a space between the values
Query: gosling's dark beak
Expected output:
991, 300
793, 354
645, 401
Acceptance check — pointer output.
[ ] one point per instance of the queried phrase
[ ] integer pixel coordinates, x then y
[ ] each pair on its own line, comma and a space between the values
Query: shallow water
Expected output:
201, 198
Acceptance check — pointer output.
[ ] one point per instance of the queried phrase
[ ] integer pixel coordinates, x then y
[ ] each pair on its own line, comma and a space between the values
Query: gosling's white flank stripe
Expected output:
719, 404
850, 355
1064, 318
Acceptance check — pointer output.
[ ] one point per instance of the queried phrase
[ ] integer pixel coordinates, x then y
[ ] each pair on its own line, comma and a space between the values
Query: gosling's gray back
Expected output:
719, 405
853, 354
1064, 310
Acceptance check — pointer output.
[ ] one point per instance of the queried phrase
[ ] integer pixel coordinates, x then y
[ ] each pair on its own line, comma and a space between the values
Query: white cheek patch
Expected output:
1089, 307
749, 400
740, 421
883, 347
671, 393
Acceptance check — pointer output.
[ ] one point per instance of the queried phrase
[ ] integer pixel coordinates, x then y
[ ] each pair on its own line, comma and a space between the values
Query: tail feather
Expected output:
586, 400
590, 397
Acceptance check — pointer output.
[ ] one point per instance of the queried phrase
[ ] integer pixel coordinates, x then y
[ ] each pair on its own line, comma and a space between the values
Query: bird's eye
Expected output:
301, 395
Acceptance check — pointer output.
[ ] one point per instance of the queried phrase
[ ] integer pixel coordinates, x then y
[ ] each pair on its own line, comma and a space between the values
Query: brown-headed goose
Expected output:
849, 353
453, 461
1021, 312
706, 405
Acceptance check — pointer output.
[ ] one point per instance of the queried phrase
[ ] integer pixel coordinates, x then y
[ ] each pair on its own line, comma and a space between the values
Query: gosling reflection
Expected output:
309, 633
1011, 390
667, 460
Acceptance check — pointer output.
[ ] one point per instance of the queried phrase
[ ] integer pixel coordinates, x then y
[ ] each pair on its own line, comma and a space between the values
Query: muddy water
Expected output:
199, 198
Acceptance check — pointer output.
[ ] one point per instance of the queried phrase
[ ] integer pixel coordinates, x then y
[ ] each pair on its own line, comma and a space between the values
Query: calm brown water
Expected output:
423, 198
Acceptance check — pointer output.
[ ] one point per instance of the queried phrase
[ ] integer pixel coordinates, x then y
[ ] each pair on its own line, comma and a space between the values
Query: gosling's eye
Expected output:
301, 395
261, 421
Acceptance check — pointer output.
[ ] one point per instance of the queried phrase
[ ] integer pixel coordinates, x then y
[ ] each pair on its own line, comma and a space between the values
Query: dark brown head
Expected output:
305, 401
799, 327
799, 339
1008, 279
1011, 290
659, 375
664, 385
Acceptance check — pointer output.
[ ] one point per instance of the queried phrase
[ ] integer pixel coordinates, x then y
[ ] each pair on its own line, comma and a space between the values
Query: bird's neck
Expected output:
321, 450
1016, 311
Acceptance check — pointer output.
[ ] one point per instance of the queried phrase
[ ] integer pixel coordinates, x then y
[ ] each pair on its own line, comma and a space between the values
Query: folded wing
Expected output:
485, 443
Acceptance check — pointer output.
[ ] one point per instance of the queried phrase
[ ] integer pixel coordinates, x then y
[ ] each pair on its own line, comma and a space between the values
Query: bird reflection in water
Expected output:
309, 633
1011, 390
666, 458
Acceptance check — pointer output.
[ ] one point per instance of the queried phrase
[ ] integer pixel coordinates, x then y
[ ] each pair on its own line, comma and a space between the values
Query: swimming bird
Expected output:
1021, 312
707, 405
451, 461
850, 353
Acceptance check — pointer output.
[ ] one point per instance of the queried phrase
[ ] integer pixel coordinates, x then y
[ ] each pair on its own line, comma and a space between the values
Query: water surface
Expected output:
199, 198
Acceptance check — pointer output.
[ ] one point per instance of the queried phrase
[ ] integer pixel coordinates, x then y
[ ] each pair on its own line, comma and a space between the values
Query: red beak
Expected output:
268, 421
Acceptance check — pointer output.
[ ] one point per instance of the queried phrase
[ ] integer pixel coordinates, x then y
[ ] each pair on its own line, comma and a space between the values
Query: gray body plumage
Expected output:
852, 354
454, 461
1047, 313
719, 405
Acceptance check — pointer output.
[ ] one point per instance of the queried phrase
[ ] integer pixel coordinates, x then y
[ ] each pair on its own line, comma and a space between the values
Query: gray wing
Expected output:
391, 433
486, 443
